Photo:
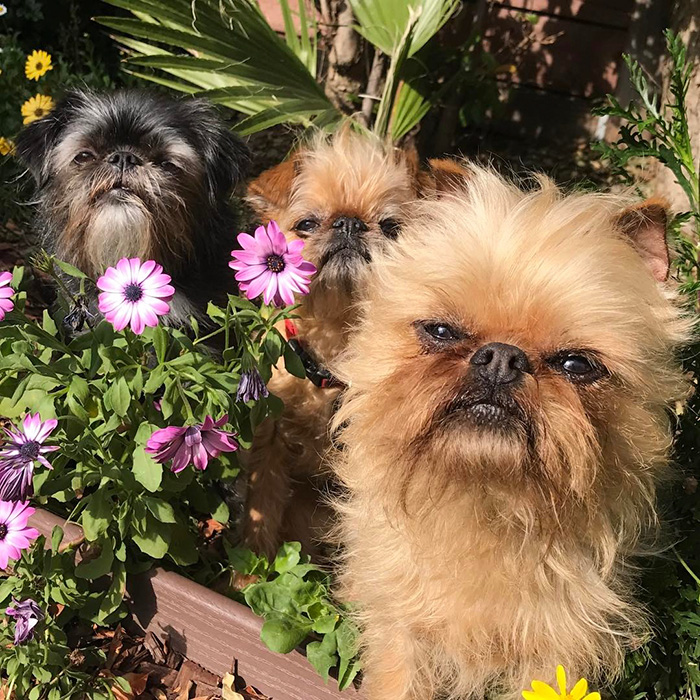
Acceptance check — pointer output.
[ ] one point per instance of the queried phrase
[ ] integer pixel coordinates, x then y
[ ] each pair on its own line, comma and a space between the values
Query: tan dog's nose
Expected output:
500, 363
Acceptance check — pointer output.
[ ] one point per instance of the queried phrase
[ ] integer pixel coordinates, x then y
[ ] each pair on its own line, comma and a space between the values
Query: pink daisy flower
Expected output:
19, 454
6, 294
194, 443
14, 533
134, 293
271, 266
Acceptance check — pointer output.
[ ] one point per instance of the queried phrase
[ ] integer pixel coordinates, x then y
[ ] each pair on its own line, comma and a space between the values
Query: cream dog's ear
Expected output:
645, 227
271, 191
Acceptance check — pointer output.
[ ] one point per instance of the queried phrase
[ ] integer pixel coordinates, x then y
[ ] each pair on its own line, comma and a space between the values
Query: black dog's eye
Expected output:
307, 225
390, 228
84, 157
437, 331
579, 368
169, 167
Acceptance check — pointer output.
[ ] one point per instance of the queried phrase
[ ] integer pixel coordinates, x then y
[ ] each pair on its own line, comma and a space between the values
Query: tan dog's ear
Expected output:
270, 192
645, 226
442, 176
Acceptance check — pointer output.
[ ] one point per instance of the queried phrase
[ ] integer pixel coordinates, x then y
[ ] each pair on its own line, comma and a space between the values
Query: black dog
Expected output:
137, 174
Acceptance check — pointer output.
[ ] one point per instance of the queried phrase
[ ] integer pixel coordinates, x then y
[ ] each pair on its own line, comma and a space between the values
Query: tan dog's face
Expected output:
516, 342
346, 198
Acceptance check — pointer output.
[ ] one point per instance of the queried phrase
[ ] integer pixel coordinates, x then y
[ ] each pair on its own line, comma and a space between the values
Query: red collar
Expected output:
315, 371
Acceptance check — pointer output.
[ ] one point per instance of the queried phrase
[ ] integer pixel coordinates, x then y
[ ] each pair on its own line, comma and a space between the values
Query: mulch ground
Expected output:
156, 672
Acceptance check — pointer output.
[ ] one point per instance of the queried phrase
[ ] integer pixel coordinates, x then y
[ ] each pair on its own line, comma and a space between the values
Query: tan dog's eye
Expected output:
578, 367
84, 157
306, 225
390, 228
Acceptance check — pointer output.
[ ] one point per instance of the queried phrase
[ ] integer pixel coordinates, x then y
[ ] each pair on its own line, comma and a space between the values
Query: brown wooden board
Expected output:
213, 630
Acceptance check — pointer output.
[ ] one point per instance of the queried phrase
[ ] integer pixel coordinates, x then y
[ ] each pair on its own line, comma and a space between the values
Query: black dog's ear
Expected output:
36, 140
226, 157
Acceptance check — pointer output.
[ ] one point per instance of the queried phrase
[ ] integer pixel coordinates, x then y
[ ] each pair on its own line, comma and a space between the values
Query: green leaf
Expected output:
147, 471
154, 538
293, 363
56, 538
119, 396
70, 270
160, 509
287, 557
322, 655
160, 343
183, 548
97, 515
101, 565
283, 635
221, 513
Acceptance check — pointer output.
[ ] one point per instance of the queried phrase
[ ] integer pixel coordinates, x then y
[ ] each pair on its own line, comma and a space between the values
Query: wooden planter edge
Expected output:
211, 629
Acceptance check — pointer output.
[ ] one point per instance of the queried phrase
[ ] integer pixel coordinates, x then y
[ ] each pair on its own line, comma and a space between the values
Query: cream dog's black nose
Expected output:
124, 160
500, 363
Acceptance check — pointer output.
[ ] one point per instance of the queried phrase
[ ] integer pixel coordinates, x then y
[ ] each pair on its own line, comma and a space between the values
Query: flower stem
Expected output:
226, 326
185, 401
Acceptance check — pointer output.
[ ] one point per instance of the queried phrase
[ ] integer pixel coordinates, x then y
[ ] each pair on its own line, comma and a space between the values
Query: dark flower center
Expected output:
275, 263
29, 450
39, 112
133, 292
39, 65
3, 531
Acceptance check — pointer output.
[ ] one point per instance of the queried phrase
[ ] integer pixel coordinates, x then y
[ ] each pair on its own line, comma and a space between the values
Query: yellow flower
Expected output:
38, 63
6, 146
36, 107
542, 691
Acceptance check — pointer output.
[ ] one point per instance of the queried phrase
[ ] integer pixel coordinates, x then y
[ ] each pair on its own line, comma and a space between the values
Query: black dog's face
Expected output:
130, 174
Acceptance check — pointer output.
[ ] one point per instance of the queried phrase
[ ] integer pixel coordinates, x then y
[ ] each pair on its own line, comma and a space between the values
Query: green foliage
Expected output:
48, 667
109, 392
651, 129
294, 597
667, 667
227, 52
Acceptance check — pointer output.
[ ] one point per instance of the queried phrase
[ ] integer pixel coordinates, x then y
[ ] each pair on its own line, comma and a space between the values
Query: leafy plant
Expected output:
653, 129
667, 667
47, 667
294, 597
228, 52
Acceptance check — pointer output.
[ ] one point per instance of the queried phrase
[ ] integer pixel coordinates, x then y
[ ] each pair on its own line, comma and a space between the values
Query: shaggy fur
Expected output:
488, 525
346, 198
136, 174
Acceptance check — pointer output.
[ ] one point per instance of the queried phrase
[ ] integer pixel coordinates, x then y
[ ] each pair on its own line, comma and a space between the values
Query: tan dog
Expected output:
346, 197
505, 428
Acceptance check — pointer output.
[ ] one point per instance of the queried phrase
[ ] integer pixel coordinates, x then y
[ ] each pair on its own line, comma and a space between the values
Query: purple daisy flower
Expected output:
19, 454
6, 294
271, 266
194, 443
14, 533
134, 293
27, 615
251, 386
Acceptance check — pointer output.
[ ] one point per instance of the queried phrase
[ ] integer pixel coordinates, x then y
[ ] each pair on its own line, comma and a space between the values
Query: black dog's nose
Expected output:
124, 160
349, 225
499, 363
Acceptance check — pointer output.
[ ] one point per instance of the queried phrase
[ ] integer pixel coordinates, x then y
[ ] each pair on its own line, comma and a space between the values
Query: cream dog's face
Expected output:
517, 342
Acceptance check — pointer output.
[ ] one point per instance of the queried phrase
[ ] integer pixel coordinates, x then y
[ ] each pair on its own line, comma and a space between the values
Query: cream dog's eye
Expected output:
390, 228
579, 368
440, 331
169, 167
